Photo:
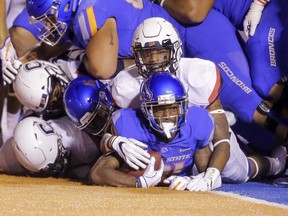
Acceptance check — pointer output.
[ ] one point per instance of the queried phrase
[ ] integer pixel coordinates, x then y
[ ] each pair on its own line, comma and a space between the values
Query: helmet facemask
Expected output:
97, 122
54, 107
167, 115
154, 57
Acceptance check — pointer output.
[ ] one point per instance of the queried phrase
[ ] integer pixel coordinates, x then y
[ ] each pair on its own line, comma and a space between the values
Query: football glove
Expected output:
177, 182
11, 70
253, 17
131, 150
205, 181
7, 53
150, 177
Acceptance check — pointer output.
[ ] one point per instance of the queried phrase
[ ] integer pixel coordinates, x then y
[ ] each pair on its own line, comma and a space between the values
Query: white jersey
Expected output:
200, 77
13, 9
83, 150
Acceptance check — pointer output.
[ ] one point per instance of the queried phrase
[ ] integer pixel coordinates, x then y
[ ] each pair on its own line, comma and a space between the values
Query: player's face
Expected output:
56, 95
166, 113
156, 59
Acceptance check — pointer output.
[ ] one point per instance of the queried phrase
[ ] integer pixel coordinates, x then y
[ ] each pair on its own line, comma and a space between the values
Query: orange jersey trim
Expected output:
91, 20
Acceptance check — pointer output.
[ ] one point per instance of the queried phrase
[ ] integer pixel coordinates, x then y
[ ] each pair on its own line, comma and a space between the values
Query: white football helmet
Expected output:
36, 84
38, 148
156, 34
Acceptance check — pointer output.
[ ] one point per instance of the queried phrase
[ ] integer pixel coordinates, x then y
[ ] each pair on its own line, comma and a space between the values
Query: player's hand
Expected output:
132, 151
11, 71
177, 182
7, 53
205, 181
253, 17
150, 177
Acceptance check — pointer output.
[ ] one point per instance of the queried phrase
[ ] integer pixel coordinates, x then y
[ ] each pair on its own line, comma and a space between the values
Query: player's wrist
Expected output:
212, 173
108, 140
138, 183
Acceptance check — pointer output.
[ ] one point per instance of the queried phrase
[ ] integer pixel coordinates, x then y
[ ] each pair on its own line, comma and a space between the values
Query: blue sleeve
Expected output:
22, 20
202, 124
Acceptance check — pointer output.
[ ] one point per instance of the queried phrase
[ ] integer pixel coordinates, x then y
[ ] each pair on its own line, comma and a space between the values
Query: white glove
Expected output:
150, 177
11, 70
253, 17
177, 182
131, 150
205, 181
7, 53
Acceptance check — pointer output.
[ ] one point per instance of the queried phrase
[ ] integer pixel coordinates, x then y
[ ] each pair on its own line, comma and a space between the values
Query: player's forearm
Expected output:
221, 151
102, 51
188, 11
3, 27
220, 156
105, 172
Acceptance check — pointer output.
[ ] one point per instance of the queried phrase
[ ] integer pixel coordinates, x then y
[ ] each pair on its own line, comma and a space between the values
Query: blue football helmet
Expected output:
51, 17
88, 103
162, 91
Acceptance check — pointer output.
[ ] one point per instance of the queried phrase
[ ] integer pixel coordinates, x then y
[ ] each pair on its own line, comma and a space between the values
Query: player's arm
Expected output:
253, 16
102, 51
187, 11
105, 172
3, 27
221, 151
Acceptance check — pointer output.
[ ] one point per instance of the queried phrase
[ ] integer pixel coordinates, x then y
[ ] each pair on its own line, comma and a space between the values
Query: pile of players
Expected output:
172, 95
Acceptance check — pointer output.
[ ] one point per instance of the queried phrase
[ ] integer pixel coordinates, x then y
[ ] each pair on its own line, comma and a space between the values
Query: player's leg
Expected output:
267, 53
242, 167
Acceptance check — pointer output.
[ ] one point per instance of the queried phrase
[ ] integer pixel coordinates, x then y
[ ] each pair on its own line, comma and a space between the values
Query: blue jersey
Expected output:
177, 154
22, 20
269, 41
234, 10
92, 15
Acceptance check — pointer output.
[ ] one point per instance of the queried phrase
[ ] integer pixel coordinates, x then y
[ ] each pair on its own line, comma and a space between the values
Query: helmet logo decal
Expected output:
166, 99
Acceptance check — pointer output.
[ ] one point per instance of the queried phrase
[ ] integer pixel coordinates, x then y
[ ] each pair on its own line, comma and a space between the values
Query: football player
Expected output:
268, 74
8, 12
39, 86
181, 134
48, 148
157, 47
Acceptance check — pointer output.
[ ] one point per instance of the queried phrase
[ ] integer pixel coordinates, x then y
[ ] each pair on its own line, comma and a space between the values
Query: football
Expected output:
130, 171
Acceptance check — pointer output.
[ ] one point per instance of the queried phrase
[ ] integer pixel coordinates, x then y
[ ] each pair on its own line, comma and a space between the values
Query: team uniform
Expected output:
13, 9
178, 154
214, 39
201, 78
269, 42
83, 150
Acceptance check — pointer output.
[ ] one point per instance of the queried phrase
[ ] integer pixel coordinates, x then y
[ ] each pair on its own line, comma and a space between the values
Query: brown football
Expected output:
130, 171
